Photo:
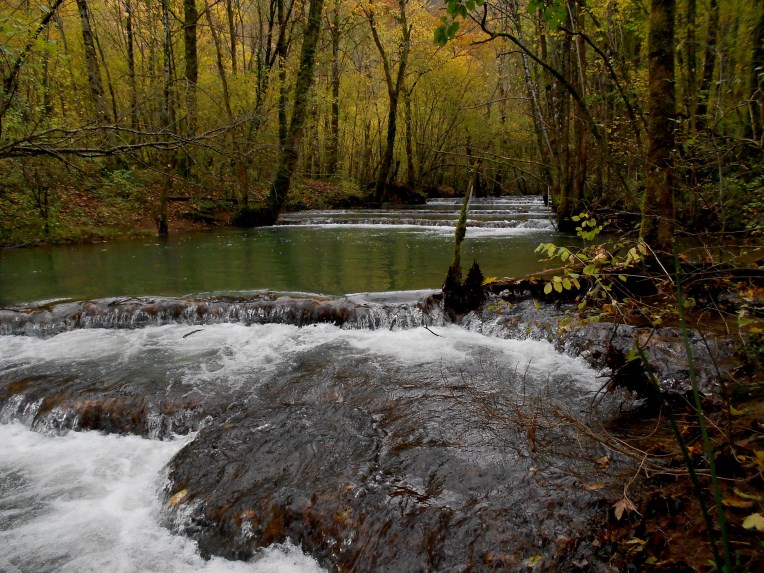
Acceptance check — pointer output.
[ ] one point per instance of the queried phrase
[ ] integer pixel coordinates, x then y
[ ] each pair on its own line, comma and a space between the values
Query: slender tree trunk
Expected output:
704, 92
131, 70
95, 82
232, 32
691, 48
334, 124
47, 102
290, 152
756, 127
411, 181
580, 130
658, 202
281, 56
393, 92
166, 114
190, 17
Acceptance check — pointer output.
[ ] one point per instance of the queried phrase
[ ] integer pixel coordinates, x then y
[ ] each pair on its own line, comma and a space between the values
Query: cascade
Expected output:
221, 428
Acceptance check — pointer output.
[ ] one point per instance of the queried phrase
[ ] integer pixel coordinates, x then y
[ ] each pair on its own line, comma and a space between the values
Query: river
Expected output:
334, 252
246, 432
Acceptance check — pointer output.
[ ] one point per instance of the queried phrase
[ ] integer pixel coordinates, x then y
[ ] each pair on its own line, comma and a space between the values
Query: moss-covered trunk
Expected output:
658, 202
290, 152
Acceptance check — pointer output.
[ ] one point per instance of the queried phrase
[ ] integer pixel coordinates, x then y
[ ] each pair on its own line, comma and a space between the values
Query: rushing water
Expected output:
249, 433
314, 252
87, 502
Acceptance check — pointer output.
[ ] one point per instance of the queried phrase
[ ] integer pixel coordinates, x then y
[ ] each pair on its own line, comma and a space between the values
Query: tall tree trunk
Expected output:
290, 152
281, 56
756, 127
190, 17
95, 83
658, 202
191, 77
131, 70
704, 92
394, 86
334, 124
232, 32
166, 115
691, 80
576, 159
580, 128
411, 181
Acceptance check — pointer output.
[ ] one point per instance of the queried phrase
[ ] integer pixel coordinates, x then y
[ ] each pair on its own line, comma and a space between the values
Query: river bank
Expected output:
125, 203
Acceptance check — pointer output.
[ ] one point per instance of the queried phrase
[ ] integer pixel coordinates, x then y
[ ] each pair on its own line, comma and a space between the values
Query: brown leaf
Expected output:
622, 505
593, 486
602, 462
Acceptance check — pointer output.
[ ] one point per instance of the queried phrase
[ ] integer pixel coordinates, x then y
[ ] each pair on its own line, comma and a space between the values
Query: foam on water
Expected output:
233, 354
88, 502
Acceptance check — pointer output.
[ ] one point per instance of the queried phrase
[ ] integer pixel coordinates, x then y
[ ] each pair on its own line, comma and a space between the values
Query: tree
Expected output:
290, 150
657, 226
394, 85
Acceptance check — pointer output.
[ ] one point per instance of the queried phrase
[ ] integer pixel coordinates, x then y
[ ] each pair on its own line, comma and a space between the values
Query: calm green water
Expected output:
317, 259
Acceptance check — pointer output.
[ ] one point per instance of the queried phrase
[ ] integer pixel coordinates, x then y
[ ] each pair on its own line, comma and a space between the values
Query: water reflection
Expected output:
319, 259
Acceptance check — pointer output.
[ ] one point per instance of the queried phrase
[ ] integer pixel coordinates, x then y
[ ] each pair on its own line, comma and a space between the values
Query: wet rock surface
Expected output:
367, 463
607, 345
397, 473
265, 308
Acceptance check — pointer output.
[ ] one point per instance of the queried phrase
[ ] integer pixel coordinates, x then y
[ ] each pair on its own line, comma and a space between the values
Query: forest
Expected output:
646, 111
642, 120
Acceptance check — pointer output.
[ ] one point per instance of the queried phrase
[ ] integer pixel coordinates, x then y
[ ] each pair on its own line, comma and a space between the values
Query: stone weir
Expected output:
509, 314
353, 312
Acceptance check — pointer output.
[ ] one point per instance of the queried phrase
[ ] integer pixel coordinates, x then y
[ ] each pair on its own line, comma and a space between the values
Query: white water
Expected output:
229, 355
88, 502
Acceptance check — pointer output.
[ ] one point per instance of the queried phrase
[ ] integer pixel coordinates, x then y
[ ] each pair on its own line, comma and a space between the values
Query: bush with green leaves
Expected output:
602, 264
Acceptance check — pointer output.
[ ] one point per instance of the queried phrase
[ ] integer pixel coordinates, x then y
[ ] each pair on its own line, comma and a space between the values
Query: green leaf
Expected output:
454, 27
566, 284
548, 288
440, 38
558, 287
590, 269
622, 278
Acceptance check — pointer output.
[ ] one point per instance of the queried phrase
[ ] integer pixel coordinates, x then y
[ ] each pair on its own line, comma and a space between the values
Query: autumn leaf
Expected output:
593, 486
178, 497
735, 502
754, 521
602, 462
623, 505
